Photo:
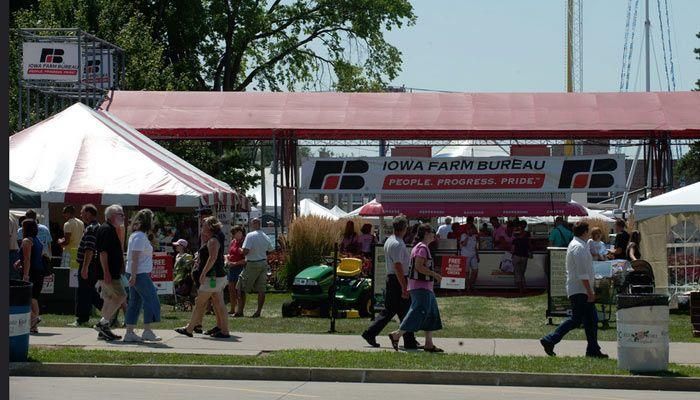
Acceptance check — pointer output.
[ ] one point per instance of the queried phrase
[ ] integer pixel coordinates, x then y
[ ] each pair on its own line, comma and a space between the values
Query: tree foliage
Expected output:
231, 45
688, 167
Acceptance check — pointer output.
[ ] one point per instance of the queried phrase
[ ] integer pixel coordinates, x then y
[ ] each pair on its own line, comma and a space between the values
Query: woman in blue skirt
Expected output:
423, 314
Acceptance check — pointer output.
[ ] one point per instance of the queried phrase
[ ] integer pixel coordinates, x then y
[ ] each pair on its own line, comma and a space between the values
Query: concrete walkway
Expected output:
248, 343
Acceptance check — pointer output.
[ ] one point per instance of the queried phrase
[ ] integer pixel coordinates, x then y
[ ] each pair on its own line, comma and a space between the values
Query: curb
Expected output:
160, 371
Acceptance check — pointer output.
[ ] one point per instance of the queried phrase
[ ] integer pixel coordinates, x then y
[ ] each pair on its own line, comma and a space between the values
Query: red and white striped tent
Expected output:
80, 155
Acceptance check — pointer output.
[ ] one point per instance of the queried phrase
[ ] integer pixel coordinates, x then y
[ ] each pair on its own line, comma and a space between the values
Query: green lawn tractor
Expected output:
311, 291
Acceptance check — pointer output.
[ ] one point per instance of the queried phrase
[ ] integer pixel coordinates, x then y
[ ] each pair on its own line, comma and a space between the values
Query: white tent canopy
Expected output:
338, 212
80, 155
683, 200
310, 207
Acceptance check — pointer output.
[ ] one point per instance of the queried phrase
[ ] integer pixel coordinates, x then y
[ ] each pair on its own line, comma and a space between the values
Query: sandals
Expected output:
255, 315
220, 335
183, 331
433, 349
394, 342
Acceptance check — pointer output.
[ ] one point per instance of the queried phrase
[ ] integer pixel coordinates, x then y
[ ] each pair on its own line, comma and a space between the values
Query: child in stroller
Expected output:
185, 290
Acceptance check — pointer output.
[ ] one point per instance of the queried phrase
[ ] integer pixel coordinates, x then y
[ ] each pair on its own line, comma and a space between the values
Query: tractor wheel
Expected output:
290, 309
364, 305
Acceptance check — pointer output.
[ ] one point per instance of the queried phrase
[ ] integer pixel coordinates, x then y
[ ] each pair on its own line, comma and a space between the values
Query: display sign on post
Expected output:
162, 274
50, 61
454, 272
379, 175
49, 284
379, 277
558, 304
70, 256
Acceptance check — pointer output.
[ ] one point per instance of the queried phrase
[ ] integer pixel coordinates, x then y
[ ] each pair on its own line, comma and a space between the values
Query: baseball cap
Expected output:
181, 242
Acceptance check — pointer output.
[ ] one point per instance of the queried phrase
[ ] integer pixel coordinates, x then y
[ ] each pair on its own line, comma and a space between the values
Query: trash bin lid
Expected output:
641, 300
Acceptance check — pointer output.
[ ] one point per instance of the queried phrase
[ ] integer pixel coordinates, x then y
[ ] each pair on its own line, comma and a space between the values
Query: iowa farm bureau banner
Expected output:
50, 61
494, 174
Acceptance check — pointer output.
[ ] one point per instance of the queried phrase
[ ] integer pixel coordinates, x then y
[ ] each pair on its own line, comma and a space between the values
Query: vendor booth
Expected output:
669, 225
84, 156
425, 188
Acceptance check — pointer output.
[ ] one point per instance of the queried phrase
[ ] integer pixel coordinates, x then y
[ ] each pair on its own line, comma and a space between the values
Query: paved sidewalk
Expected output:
247, 343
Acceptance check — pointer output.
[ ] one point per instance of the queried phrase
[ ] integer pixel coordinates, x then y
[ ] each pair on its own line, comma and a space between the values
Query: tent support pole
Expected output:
628, 186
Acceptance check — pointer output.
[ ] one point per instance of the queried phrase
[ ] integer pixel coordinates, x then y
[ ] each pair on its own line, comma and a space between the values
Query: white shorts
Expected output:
205, 286
472, 263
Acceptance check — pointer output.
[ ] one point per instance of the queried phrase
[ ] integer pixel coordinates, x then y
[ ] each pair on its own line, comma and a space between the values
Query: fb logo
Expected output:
578, 174
343, 175
51, 56
92, 67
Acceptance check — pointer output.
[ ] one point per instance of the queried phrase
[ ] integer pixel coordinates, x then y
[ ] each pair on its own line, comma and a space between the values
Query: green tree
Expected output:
231, 45
688, 167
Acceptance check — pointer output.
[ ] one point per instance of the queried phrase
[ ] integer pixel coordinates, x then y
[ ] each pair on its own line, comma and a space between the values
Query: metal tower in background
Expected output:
574, 58
574, 46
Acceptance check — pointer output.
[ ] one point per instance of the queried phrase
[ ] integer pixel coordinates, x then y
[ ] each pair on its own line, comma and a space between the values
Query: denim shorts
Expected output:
234, 273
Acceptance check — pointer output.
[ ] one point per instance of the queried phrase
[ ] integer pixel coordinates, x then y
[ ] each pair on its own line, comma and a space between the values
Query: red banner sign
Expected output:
454, 272
163, 272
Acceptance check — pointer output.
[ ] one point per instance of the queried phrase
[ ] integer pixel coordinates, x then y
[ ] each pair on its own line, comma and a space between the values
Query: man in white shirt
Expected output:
396, 299
256, 245
444, 229
579, 288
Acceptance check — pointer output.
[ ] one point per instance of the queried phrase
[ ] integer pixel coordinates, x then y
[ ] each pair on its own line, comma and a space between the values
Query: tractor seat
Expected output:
349, 267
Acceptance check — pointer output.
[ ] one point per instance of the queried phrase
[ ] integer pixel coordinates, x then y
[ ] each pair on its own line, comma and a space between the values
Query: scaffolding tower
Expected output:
62, 66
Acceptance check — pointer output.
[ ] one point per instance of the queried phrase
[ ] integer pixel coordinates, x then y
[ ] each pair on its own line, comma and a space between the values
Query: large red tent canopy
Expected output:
405, 116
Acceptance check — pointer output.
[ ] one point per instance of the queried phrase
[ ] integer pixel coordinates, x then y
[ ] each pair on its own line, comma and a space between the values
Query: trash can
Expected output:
642, 332
20, 319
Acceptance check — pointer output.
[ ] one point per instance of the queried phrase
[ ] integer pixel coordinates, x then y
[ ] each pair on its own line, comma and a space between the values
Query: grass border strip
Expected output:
232, 372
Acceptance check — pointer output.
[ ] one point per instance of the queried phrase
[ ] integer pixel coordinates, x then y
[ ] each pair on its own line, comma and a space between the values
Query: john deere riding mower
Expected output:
311, 291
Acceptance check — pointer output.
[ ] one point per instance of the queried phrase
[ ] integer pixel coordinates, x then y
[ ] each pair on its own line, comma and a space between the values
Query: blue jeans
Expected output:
142, 295
581, 312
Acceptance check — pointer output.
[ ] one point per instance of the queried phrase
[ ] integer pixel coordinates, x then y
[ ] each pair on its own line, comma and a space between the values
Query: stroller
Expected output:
640, 280
184, 287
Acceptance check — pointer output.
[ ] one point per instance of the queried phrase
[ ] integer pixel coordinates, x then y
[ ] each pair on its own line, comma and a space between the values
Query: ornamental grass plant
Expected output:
310, 240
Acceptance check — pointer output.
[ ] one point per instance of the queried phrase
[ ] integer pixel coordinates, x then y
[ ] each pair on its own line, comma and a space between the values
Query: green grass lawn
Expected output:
357, 359
463, 316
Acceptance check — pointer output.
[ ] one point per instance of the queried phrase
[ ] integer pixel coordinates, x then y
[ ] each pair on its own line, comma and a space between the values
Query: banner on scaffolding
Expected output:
52, 61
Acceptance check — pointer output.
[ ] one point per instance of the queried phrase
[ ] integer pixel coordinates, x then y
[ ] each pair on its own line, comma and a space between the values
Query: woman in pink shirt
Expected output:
423, 315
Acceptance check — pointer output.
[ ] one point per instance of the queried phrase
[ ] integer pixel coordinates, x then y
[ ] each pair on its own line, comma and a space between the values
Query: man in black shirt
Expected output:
111, 257
89, 263
622, 238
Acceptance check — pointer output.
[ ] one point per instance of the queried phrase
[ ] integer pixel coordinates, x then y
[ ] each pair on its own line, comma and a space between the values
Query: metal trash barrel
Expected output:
20, 319
642, 332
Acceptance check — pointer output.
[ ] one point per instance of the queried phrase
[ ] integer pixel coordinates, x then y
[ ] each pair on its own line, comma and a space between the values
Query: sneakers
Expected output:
104, 330
370, 339
548, 347
132, 337
150, 336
